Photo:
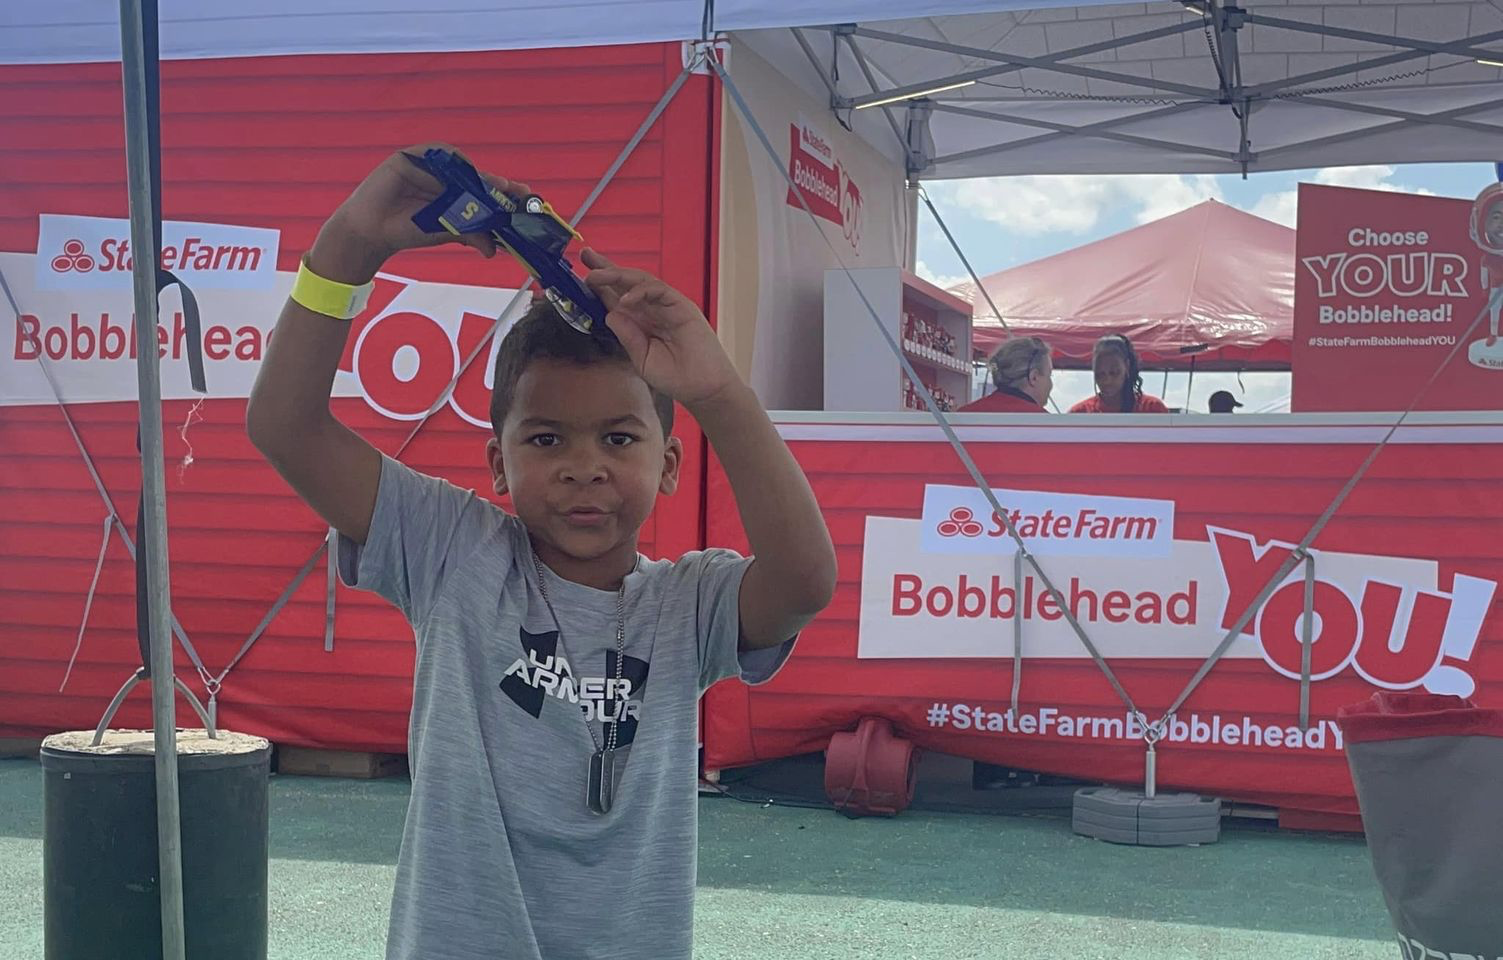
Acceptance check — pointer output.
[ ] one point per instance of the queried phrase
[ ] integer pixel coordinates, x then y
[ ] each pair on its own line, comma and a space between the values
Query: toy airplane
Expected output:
529, 230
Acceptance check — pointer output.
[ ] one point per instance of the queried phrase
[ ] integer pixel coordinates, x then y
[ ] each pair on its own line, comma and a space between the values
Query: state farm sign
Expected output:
825, 183
401, 355
961, 520
94, 253
1386, 619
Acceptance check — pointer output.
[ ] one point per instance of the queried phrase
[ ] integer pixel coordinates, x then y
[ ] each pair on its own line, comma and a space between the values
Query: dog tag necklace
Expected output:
600, 782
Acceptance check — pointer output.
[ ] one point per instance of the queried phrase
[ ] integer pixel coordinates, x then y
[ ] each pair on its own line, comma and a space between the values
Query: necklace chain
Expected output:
612, 735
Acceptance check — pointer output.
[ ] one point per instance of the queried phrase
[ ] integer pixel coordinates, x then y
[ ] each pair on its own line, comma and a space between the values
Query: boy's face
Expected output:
583, 456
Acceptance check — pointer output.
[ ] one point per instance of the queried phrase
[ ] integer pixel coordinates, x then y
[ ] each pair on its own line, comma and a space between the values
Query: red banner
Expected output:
1387, 287
826, 184
1158, 538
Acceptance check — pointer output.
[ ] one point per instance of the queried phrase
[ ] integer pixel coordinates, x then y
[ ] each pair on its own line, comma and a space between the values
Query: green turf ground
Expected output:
785, 883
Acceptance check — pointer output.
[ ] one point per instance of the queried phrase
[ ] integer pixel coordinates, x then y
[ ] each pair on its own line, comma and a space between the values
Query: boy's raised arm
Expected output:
792, 577
288, 417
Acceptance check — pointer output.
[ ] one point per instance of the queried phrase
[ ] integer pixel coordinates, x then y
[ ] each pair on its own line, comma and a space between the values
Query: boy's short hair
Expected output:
542, 334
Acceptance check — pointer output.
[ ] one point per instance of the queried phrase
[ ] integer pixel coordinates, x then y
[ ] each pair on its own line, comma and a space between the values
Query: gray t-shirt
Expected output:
501, 857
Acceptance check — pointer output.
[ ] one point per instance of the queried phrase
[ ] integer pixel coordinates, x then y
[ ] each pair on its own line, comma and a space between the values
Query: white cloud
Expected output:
1376, 177
1282, 207
1160, 196
942, 280
1075, 204
1279, 207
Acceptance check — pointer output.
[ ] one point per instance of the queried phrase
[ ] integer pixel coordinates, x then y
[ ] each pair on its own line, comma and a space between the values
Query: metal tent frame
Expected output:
1184, 87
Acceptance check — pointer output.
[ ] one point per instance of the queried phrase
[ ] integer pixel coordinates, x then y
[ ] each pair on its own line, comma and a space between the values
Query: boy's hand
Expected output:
376, 220
668, 339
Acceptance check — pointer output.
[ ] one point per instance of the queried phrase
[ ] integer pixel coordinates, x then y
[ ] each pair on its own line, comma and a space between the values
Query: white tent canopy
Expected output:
1169, 87
76, 31
1165, 87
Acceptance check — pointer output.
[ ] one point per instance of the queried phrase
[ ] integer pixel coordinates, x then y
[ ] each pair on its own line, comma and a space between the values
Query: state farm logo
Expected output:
95, 253
73, 257
1065, 524
194, 255
815, 144
961, 523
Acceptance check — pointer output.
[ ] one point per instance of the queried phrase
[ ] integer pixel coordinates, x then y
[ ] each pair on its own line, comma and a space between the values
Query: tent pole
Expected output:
1190, 386
910, 235
153, 484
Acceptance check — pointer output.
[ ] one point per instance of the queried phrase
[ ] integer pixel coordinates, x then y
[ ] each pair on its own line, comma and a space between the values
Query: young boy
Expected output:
553, 732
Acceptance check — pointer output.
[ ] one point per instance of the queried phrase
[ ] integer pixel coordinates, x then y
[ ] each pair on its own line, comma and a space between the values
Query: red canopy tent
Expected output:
1211, 283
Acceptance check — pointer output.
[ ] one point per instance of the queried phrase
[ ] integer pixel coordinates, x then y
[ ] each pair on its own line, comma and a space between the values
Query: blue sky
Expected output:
1004, 221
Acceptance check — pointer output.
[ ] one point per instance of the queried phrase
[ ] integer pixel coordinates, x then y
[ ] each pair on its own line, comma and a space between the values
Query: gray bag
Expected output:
1429, 776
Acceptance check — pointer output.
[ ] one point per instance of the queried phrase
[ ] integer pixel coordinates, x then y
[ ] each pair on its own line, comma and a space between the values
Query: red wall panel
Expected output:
279, 142
1425, 501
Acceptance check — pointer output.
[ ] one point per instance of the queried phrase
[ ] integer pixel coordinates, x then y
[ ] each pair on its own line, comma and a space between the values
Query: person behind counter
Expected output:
1119, 381
1024, 375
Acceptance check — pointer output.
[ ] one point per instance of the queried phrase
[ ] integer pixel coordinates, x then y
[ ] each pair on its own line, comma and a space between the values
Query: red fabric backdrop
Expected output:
278, 142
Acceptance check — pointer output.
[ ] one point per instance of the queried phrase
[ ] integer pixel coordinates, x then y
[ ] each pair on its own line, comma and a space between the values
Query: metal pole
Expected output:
153, 486
910, 236
1190, 386
1151, 771
1307, 642
1017, 628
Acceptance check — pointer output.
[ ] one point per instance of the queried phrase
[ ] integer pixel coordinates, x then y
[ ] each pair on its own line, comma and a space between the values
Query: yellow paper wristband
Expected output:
331, 298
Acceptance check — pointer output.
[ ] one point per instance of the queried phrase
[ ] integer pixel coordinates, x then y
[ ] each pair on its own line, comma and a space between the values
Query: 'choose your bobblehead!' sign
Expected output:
1387, 286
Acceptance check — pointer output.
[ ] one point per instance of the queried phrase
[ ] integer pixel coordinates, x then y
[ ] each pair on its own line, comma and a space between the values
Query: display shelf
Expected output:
924, 355
932, 326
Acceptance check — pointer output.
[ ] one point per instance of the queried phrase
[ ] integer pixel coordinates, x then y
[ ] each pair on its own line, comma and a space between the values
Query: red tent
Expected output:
1211, 283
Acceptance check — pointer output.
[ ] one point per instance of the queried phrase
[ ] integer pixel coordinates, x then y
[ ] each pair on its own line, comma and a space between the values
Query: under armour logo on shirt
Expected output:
544, 672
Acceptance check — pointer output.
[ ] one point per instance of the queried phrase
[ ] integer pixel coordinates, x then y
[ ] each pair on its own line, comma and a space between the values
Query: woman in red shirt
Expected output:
1119, 381
1024, 374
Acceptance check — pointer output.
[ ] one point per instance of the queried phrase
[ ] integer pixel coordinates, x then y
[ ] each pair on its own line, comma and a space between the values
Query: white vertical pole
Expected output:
153, 485
910, 236
1151, 771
